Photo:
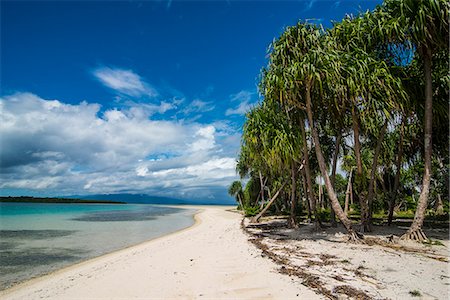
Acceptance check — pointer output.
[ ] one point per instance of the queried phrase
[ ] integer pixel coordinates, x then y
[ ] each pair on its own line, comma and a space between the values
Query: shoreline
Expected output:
34, 280
211, 259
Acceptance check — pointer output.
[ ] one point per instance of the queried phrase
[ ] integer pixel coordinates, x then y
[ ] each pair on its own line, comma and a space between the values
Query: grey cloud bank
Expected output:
51, 147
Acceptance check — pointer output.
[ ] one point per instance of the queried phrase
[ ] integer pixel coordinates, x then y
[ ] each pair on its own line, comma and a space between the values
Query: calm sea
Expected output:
36, 238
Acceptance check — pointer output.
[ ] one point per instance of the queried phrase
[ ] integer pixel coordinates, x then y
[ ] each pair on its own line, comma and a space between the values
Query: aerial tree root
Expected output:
355, 237
415, 235
292, 223
365, 228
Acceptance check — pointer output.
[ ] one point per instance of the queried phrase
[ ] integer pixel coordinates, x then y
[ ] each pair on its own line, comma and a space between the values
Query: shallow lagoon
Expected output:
37, 238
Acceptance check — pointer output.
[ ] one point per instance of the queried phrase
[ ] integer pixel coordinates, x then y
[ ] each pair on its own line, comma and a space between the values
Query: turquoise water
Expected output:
36, 238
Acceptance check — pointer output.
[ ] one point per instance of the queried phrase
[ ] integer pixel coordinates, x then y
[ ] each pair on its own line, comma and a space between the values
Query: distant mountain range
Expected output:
148, 199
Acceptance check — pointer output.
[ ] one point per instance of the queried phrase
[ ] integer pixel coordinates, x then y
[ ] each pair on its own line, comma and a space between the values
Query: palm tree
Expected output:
425, 24
268, 130
235, 190
371, 91
303, 63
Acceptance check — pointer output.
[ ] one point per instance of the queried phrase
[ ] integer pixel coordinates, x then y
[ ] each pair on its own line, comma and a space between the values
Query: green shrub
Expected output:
251, 211
409, 214
324, 214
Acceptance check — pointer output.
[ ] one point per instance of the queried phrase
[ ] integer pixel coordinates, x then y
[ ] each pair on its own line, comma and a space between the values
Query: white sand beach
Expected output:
212, 259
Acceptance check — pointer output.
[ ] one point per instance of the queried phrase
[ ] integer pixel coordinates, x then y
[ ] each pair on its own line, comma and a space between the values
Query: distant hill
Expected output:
148, 199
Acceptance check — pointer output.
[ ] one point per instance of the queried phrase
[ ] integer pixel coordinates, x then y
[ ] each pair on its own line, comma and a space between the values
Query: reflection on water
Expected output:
39, 256
144, 214
47, 237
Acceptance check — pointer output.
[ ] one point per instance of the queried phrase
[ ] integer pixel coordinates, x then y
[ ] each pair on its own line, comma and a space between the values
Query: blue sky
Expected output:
138, 97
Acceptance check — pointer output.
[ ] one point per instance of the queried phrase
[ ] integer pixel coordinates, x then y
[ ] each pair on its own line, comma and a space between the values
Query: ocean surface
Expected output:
36, 238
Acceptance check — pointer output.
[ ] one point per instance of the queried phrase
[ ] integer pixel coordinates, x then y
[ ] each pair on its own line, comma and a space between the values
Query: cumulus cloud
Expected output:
245, 103
125, 81
48, 145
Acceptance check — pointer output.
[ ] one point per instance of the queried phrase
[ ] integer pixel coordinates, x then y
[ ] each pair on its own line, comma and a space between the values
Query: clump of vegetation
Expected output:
380, 78
431, 242
415, 293
251, 211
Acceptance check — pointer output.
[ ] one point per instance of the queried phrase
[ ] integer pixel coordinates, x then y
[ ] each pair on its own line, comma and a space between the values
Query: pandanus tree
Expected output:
235, 190
307, 64
251, 158
269, 131
425, 24
371, 92
322, 79
279, 85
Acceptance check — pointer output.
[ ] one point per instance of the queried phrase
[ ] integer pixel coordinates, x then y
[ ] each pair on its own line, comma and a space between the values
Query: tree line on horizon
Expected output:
370, 94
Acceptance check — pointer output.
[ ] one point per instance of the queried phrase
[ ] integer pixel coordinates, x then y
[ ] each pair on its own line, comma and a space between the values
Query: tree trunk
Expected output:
240, 201
256, 218
359, 165
439, 207
360, 174
310, 187
323, 169
371, 194
320, 196
398, 165
292, 222
348, 192
333, 175
415, 231
285, 201
351, 194
263, 200
305, 189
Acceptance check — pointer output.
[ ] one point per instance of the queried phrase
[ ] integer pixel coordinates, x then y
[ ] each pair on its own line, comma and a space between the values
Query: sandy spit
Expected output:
210, 260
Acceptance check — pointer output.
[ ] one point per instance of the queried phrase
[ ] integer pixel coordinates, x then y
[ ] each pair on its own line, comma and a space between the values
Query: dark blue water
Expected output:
36, 239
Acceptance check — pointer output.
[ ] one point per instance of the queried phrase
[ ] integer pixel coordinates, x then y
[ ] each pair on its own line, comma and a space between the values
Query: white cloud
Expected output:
198, 106
48, 145
309, 5
205, 139
240, 110
245, 99
125, 81
212, 169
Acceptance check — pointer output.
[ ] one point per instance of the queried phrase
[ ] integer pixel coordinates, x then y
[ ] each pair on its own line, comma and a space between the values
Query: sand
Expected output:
404, 270
212, 259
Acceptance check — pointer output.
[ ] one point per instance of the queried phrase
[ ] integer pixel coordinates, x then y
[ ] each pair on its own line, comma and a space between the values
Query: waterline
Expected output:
36, 239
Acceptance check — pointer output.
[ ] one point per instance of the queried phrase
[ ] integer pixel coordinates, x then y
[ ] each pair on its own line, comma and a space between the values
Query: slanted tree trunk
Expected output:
348, 192
292, 222
415, 231
398, 166
360, 174
371, 194
323, 169
256, 218
240, 201
309, 184
333, 175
